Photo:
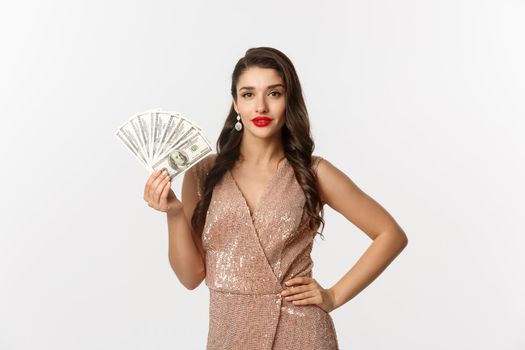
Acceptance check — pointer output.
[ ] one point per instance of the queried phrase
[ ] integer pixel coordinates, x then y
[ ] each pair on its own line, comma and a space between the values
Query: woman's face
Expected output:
261, 92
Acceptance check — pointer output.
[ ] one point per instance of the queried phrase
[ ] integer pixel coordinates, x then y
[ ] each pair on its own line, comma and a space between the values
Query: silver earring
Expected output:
238, 125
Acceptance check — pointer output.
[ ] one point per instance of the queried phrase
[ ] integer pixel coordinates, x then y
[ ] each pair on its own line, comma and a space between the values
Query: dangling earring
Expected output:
238, 125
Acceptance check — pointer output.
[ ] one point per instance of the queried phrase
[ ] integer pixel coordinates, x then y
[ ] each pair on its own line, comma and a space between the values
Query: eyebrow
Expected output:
252, 88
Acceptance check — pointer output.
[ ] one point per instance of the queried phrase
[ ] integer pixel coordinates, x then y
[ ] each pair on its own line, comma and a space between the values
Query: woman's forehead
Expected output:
259, 78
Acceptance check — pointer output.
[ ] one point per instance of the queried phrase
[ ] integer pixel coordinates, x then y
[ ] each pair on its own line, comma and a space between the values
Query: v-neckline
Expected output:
267, 187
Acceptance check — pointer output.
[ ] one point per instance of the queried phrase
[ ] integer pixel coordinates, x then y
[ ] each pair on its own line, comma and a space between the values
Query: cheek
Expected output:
283, 112
279, 106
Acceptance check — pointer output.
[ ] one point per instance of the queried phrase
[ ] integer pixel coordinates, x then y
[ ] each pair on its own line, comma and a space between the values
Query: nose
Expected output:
261, 105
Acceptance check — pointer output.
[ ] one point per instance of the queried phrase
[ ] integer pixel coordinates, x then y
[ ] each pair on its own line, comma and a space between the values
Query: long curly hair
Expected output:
295, 133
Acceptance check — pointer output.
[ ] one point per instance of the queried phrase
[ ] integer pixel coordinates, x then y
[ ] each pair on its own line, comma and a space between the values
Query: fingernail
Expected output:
287, 283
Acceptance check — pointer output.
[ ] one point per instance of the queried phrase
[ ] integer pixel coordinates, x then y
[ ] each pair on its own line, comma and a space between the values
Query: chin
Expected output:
265, 133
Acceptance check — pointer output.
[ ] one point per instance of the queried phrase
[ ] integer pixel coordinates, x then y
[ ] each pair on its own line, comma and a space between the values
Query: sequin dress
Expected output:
248, 259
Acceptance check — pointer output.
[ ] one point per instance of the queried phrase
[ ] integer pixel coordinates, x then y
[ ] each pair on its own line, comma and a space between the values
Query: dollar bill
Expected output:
180, 131
137, 133
133, 148
164, 124
185, 155
142, 124
172, 121
126, 133
160, 139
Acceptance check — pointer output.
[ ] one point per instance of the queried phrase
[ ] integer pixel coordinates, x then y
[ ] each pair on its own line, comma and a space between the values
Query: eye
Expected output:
247, 93
277, 92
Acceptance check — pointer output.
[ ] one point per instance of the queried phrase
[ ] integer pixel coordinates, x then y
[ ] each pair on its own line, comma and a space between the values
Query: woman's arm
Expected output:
185, 251
342, 194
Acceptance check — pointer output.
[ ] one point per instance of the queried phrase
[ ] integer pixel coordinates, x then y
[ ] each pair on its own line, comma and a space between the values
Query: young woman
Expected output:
250, 212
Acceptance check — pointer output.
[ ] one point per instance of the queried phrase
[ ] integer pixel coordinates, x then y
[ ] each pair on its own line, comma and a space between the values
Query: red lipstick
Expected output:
261, 120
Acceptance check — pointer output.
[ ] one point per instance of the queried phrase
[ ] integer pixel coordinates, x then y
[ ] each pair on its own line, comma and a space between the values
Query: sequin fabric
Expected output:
248, 259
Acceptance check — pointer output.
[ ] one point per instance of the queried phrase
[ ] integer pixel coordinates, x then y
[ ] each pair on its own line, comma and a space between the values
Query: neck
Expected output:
257, 151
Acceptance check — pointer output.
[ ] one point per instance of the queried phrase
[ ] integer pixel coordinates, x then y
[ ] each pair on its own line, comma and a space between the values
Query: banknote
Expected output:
128, 135
184, 155
159, 123
181, 129
142, 124
133, 147
163, 139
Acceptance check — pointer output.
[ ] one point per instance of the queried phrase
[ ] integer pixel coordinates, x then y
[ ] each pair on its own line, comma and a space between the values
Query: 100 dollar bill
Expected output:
184, 155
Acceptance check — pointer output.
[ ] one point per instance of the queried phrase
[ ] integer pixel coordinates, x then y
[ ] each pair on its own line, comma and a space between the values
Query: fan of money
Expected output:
160, 139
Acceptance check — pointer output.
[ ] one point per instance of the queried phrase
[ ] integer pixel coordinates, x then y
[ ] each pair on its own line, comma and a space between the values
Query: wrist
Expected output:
335, 302
176, 210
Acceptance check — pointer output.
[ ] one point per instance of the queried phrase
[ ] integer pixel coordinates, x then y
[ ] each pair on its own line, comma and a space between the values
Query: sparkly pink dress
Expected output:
248, 259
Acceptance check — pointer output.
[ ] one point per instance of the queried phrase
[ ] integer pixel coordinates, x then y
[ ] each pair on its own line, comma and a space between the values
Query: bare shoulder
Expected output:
192, 188
342, 194
208, 161
199, 170
193, 180
332, 180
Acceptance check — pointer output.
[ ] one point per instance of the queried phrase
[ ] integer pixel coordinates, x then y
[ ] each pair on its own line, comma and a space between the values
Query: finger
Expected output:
155, 184
164, 195
296, 289
151, 178
298, 280
160, 189
300, 296
307, 301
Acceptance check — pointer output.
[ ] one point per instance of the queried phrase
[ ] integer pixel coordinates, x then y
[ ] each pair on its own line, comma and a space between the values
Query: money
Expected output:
160, 139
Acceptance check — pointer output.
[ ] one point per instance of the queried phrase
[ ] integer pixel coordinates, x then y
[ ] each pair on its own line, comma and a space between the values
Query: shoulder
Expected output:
203, 166
316, 159
330, 179
335, 186
325, 171
198, 172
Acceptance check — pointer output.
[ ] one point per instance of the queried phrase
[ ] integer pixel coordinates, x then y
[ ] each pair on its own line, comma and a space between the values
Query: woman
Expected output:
249, 214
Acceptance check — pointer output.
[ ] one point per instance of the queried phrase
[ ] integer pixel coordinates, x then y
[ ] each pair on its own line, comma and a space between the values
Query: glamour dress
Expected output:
248, 259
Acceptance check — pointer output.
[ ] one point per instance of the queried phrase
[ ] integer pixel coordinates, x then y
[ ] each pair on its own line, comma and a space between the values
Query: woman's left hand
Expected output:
306, 290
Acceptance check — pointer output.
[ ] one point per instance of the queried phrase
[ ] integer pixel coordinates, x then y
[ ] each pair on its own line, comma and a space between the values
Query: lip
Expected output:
261, 121
261, 118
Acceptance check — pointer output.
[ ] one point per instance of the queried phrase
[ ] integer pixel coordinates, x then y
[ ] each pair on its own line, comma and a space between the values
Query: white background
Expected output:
421, 103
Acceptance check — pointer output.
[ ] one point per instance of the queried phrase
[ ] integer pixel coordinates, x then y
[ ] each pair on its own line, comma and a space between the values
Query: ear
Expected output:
235, 106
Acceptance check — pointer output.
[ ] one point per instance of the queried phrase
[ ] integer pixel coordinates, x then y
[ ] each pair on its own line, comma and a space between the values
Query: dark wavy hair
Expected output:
295, 133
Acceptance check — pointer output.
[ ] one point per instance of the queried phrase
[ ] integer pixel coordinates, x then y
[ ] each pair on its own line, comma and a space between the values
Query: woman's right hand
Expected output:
159, 195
